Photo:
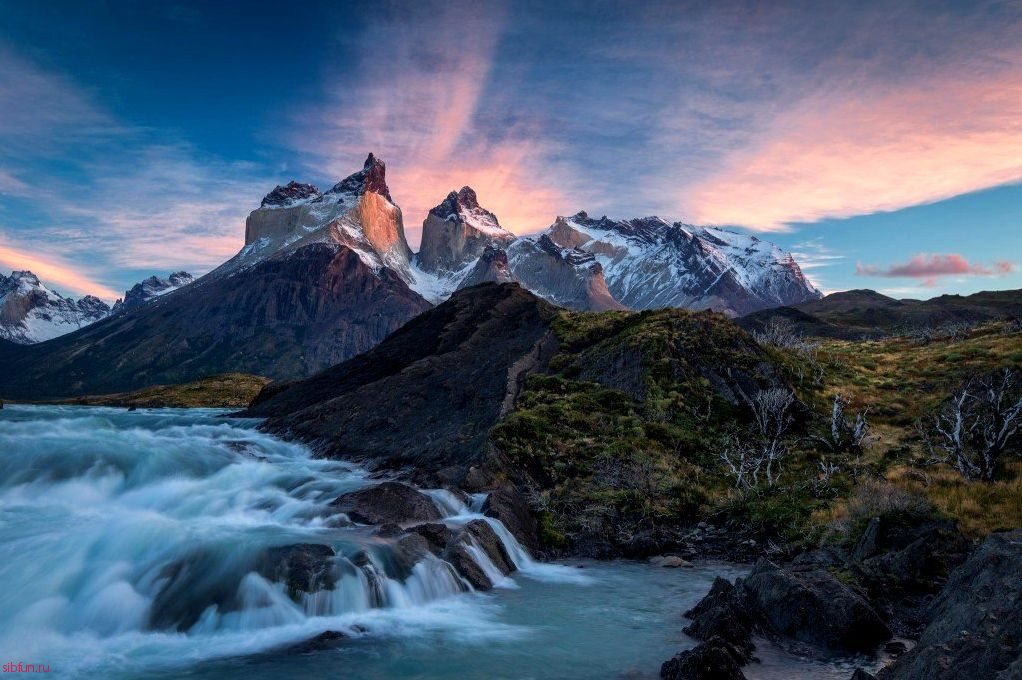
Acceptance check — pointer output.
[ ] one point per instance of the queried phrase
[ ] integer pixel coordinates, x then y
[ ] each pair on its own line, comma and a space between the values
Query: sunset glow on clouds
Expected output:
123, 154
929, 268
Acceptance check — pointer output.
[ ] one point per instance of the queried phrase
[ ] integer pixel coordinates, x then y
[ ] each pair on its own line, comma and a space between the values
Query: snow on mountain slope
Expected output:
649, 263
356, 213
30, 312
151, 288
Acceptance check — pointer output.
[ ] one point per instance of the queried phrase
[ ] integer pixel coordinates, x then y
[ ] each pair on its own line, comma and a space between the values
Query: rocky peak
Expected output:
289, 194
459, 202
23, 278
372, 178
573, 256
150, 288
457, 231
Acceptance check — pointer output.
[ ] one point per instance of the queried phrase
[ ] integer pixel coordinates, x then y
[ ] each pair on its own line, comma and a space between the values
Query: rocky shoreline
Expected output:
959, 604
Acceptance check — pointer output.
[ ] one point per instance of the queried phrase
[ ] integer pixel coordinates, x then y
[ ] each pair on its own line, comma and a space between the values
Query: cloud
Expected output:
55, 272
426, 106
105, 195
929, 268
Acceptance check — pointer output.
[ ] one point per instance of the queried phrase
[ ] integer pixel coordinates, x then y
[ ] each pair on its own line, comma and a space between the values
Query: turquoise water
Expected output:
102, 511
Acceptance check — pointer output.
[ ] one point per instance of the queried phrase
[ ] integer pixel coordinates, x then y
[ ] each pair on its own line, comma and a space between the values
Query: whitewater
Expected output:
129, 540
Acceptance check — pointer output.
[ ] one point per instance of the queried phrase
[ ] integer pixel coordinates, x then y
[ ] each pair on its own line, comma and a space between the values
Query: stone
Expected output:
389, 502
714, 659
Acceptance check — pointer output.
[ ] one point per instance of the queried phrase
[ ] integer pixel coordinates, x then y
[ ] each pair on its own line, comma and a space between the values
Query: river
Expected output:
128, 541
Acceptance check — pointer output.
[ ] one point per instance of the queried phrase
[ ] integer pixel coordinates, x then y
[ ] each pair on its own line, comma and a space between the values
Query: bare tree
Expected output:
851, 435
742, 461
771, 410
782, 333
978, 425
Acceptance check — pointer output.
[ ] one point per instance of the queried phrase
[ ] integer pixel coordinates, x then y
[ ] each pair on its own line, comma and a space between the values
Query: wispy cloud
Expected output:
55, 272
104, 196
424, 106
929, 268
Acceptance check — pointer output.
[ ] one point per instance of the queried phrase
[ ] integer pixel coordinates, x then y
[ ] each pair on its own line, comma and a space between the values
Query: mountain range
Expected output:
326, 275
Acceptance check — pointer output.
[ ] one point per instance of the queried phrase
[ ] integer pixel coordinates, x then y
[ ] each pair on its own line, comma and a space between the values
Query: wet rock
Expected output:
387, 503
669, 561
508, 506
810, 605
326, 640
866, 546
437, 535
302, 568
975, 628
714, 659
723, 613
406, 549
480, 535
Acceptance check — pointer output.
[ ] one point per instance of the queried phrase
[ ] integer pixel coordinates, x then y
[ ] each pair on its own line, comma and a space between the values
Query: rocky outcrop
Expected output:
477, 543
387, 503
975, 629
508, 506
491, 267
31, 313
567, 277
428, 395
302, 568
457, 232
714, 659
804, 607
812, 606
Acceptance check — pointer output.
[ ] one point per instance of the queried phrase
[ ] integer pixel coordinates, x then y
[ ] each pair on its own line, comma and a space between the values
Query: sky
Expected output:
881, 142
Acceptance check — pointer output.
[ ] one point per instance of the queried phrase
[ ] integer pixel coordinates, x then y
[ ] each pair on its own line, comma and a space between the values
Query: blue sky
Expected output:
880, 141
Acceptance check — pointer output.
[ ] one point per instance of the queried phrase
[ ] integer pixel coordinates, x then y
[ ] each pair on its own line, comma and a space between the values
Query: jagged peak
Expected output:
572, 256
289, 194
26, 276
372, 177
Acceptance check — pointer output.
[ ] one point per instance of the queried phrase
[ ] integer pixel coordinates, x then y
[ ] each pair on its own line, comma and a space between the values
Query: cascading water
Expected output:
143, 545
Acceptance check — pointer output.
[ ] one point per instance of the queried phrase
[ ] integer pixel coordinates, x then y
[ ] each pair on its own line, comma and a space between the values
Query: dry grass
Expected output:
978, 507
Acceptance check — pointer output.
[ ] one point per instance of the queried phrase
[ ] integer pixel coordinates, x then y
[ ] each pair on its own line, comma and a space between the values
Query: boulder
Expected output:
811, 606
480, 535
302, 568
388, 503
975, 628
438, 536
714, 659
723, 613
669, 561
508, 506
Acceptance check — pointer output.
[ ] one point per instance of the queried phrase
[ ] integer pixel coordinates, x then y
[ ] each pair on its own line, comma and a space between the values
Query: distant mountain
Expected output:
150, 288
586, 264
30, 312
321, 278
855, 313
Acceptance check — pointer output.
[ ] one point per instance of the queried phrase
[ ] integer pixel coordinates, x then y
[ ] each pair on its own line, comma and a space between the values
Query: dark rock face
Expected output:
491, 267
426, 396
283, 318
812, 606
457, 232
286, 195
976, 625
388, 503
724, 614
714, 659
372, 177
902, 563
479, 535
508, 506
303, 568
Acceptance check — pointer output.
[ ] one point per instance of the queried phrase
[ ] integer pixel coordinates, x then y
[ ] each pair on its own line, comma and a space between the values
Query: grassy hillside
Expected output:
620, 438
229, 390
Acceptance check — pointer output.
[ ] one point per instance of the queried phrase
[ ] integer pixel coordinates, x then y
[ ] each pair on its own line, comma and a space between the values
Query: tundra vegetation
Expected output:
654, 420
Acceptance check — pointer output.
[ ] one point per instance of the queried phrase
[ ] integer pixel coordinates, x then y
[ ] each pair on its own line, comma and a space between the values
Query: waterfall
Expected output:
161, 522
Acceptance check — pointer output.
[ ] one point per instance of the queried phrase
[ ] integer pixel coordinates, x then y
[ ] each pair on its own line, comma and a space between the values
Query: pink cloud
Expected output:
417, 104
929, 268
839, 152
55, 272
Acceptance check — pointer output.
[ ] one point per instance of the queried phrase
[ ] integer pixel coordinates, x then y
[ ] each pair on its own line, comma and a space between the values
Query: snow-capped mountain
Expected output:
322, 277
567, 277
30, 312
151, 288
649, 263
356, 213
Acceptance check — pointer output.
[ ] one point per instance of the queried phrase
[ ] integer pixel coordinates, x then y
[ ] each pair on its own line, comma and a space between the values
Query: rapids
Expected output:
129, 541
